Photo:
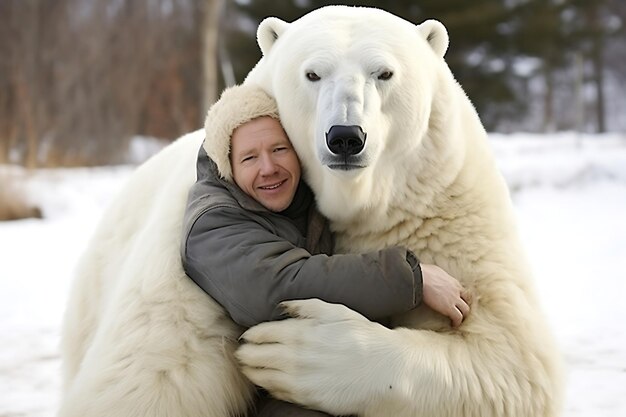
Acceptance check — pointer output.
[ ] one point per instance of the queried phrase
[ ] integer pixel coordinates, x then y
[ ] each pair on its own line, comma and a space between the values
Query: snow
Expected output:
569, 192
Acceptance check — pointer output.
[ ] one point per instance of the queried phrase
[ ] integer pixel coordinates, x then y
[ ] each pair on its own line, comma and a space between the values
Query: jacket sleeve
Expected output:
249, 270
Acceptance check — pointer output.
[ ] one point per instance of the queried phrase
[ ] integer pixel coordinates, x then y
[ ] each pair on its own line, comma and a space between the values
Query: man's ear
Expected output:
268, 32
436, 35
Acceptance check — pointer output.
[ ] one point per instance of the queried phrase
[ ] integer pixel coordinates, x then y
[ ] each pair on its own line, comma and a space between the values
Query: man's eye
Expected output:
280, 148
247, 158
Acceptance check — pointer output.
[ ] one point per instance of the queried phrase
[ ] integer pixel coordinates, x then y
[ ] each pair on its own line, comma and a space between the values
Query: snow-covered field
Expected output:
570, 196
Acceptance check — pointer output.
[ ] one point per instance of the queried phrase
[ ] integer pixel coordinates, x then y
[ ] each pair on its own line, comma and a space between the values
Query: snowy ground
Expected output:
570, 196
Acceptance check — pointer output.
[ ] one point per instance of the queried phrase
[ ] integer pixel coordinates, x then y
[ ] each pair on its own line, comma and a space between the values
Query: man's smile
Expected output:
272, 186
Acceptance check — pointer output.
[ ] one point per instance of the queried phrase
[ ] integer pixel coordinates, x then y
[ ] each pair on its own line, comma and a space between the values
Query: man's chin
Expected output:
274, 205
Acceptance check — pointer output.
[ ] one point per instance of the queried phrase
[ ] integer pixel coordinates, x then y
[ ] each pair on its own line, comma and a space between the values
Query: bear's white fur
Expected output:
139, 337
141, 340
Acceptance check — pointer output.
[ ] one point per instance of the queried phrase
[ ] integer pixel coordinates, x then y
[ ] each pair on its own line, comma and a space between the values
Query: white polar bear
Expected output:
139, 337
396, 155
417, 171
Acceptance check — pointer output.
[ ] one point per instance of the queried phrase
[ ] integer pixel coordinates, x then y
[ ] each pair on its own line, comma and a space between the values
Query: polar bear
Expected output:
395, 154
411, 166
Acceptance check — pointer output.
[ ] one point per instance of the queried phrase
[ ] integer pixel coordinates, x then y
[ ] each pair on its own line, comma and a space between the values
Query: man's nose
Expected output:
268, 165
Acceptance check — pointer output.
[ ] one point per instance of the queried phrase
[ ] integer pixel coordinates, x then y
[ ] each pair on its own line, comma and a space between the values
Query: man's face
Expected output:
265, 165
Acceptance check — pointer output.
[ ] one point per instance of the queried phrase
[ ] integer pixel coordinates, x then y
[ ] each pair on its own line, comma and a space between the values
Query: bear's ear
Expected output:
436, 35
268, 32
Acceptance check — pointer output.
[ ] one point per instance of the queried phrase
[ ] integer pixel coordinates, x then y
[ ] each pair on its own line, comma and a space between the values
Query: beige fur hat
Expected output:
237, 105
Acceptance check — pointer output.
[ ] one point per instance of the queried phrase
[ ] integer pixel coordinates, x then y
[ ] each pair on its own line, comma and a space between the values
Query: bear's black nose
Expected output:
345, 140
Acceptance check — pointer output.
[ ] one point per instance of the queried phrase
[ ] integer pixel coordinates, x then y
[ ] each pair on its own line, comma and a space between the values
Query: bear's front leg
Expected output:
327, 357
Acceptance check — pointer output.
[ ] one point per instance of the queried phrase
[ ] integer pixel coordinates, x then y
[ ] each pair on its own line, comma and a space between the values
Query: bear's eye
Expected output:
311, 76
386, 75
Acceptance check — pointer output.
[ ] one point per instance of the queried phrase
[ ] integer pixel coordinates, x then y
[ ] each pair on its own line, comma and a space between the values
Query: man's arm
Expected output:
249, 270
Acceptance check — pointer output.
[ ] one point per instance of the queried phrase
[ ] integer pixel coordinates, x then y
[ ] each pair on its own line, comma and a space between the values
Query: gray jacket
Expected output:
249, 259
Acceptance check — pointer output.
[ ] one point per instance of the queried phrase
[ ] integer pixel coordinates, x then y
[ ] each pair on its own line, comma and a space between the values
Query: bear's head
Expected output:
355, 89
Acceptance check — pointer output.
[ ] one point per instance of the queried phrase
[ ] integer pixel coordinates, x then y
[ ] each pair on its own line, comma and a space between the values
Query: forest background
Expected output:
80, 78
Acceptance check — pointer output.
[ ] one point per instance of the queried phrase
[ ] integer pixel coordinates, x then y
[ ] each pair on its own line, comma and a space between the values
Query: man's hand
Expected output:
444, 294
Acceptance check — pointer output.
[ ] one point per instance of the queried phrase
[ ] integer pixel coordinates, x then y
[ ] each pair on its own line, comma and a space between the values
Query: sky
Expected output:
569, 193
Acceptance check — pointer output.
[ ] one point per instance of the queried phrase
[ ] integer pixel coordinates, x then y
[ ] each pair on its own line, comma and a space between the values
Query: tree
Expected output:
81, 77
212, 10
561, 33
